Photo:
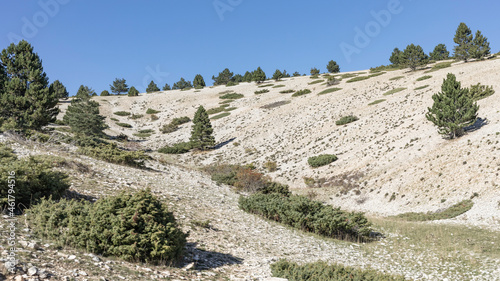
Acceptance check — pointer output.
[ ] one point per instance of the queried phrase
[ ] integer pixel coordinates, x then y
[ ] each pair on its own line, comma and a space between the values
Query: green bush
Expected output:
421, 87
393, 91
330, 90
301, 93
231, 83
110, 152
307, 215
332, 81
321, 160
133, 227
215, 110
122, 113
479, 91
346, 120
124, 125
396, 78
178, 148
266, 85
321, 271
383, 68
222, 115
359, 78
376, 102
316, 82
262, 91
439, 66
181, 120
275, 104
287, 91
279, 86
451, 212
424, 77
152, 111
32, 179
232, 96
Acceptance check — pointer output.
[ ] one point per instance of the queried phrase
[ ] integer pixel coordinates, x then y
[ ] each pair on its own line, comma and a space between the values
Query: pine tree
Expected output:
285, 74
25, 99
223, 78
132, 92
314, 71
119, 86
85, 93
259, 75
152, 87
453, 108
480, 46
198, 81
277, 75
84, 119
201, 134
182, 84
247, 77
413, 57
296, 74
463, 39
104, 93
395, 58
58, 89
333, 67
166, 87
237, 78
440, 53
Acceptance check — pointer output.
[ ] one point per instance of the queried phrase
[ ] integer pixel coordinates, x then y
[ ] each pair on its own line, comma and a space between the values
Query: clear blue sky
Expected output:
93, 42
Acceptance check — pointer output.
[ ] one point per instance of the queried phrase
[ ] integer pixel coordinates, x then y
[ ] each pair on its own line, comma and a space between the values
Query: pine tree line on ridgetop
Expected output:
468, 46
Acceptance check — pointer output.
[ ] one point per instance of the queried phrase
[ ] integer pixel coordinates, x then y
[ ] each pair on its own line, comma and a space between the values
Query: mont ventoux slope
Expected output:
392, 160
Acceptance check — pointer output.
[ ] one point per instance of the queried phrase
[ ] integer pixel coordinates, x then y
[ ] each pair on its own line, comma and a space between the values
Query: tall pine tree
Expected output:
440, 53
133, 92
480, 46
166, 87
333, 67
259, 75
413, 57
152, 87
201, 133
463, 39
223, 78
198, 81
119, 86
84, 93
84, 119
277, 75
453, 108
395, 58
25, 99
58, 89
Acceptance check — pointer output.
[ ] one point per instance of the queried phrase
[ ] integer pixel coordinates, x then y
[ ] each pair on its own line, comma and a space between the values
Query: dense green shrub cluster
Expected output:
321, 271
32, 180
110, 152
329, 90
451, 212
219, 116
262, 91
133, 227
359, 78
479, 91
346, 120
301, 93
216, 110
152, 111
178, 148
136, 116
321, 160
287, 91
122, 113
124, 125
425, 77
174, 124
305, 214
231, 96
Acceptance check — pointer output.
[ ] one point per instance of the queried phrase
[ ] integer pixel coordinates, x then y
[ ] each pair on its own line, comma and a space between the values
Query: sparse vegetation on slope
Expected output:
321, 271
330, 90
451, 212
301, 93
346, 120
323, 159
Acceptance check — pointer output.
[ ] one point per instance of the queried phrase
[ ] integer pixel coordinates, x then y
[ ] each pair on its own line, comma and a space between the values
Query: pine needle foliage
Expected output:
453, 108
152, 87
201, 134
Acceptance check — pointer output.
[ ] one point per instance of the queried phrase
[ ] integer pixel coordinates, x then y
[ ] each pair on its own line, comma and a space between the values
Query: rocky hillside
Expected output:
391, 157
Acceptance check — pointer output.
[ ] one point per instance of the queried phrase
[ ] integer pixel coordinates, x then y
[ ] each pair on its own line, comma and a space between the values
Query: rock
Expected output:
274, 279
96, 259
72, 257
83, 273
34, 245
189, 266
32, 271
19, 278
